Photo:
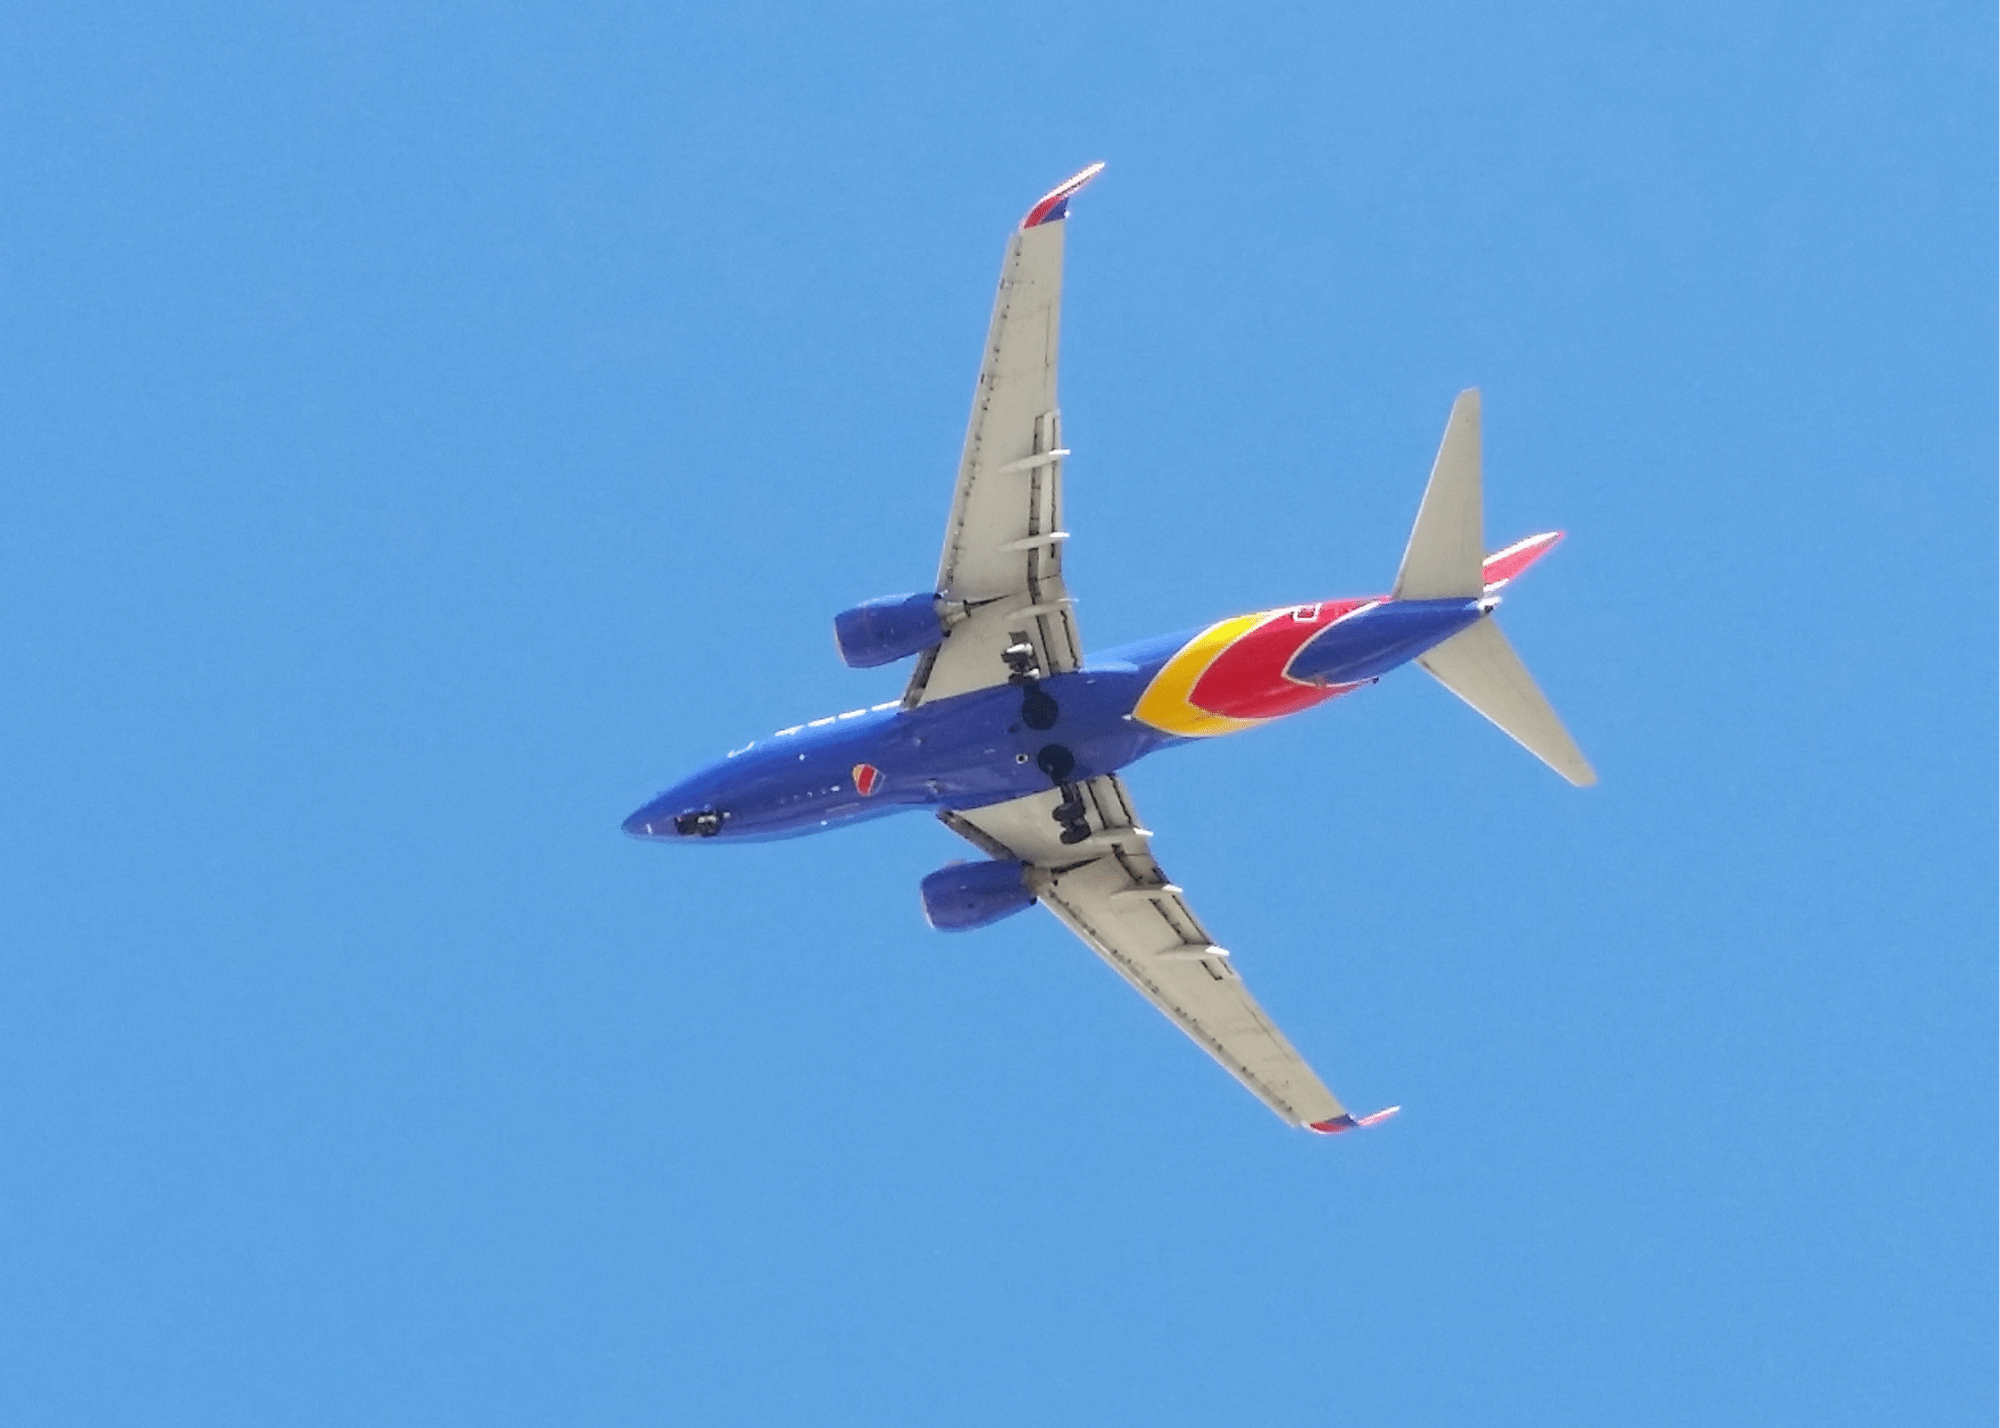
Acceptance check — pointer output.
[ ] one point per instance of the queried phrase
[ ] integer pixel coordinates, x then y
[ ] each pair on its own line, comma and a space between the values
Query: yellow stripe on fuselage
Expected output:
1166, 705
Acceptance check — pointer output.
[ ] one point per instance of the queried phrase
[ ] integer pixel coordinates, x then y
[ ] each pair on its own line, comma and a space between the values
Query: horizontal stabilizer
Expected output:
1480, 667
1503, 566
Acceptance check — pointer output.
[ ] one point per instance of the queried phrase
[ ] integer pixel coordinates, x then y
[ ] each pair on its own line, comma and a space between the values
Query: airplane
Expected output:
1015, 740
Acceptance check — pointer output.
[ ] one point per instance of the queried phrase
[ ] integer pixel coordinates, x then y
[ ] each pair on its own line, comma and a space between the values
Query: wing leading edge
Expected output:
1111, 892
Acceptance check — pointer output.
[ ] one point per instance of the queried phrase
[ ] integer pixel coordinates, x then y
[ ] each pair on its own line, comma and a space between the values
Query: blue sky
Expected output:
430, 432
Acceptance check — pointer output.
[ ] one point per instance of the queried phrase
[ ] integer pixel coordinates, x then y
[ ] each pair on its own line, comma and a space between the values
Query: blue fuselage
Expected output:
975, 749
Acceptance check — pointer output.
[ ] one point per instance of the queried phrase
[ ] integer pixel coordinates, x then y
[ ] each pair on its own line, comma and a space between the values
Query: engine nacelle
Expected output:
968, 895
886, 630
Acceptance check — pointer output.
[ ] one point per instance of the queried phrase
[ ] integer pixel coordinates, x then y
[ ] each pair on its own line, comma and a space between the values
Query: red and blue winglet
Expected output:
1347, 1123
1054, 205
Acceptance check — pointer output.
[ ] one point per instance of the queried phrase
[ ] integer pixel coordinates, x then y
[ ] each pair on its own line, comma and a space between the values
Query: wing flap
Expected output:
1156, 944
1113, 895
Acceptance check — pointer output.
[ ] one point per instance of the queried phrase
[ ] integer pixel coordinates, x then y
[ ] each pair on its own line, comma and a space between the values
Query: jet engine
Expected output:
886, 630
968, 895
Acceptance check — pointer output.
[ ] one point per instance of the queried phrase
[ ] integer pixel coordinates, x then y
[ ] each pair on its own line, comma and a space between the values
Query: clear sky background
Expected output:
429, 430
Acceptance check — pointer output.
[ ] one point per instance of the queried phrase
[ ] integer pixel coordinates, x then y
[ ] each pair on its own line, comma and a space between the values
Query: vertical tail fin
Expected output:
1480, 667
1445, 560
1447, 545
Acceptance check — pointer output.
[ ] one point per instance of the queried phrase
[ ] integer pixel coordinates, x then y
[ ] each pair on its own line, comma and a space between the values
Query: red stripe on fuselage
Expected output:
1247, 679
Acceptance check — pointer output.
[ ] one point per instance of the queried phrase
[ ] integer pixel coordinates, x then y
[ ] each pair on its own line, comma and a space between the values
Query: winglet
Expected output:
1054, 205
1345, 1122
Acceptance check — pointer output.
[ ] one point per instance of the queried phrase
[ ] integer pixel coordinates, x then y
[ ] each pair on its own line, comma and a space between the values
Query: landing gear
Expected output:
703, 824
1020, 657
1038, 709
1072, 813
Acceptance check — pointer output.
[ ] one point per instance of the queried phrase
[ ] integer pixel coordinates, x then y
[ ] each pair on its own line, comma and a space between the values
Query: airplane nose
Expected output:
671, 818
652, 820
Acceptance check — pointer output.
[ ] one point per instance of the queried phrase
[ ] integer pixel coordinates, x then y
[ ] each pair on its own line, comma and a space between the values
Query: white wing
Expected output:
1113, 895
1001, 572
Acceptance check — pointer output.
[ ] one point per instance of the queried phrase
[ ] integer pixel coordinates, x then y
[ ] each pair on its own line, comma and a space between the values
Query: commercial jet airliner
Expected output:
1014, 739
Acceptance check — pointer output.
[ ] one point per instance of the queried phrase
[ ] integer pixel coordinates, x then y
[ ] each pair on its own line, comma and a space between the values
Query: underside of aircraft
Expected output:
1015, 740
